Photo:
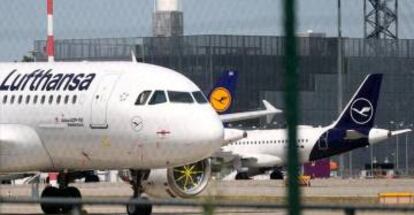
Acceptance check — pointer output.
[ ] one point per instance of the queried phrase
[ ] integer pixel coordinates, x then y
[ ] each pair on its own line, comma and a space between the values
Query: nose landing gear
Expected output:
142, 209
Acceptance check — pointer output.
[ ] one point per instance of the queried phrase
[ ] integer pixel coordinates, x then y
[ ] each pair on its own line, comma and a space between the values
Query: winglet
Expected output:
134, 58
271, 109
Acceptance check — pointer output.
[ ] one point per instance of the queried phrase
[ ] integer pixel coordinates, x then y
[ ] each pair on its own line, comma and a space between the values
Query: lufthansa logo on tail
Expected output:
361, 111
220, 99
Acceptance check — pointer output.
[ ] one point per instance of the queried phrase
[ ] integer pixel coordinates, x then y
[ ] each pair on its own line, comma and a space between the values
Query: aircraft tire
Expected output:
242, 176
50, 192
91, 179
139, 209
276, 175
69, 192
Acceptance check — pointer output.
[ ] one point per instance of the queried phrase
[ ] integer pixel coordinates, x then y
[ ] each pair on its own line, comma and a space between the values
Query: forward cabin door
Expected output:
100, 100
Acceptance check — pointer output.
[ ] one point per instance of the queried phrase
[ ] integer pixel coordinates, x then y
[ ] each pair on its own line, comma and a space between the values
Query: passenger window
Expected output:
43, 99
180, 97
12, 99
66, 99
50, 99
143, 97
4, 99
20, 99
199, 97
58, 99
74, 98
27, 99
158, 97
35, 99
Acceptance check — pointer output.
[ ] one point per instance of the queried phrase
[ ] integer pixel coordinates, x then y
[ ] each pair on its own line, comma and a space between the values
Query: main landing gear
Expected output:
143, 209
277, 174
242, 176
63, 191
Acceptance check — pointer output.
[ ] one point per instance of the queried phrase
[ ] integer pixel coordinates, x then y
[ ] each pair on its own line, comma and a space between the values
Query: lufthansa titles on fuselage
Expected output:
46, 80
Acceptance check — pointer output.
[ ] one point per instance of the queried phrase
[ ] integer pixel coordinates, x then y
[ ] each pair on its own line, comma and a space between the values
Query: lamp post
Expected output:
371, 154
406, 150
395, 158
398, 126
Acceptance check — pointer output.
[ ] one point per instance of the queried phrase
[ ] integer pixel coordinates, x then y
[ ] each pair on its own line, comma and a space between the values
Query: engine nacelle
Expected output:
178, 182
377, 135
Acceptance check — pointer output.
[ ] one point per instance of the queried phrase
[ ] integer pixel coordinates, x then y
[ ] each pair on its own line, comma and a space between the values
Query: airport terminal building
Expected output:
259, 59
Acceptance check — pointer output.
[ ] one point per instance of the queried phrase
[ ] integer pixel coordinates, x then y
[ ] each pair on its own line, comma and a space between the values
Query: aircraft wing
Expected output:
15, 176
249, 159
269, 111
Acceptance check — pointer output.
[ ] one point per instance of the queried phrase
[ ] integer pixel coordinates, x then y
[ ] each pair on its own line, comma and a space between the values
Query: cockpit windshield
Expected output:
143, 97
158, 97
199, 97
180, 97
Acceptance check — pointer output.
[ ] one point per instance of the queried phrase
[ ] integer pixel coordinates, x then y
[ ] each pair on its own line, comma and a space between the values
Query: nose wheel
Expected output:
136, 182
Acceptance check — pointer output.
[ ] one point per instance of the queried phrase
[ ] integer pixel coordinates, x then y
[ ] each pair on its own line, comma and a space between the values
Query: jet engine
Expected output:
178, 182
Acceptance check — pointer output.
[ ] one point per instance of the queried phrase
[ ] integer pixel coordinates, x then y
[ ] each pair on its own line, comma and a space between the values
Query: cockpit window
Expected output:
199, 97
143, 97
158, 97
180, 97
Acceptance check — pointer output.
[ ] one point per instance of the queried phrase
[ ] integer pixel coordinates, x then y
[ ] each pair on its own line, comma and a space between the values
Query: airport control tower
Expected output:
167, 19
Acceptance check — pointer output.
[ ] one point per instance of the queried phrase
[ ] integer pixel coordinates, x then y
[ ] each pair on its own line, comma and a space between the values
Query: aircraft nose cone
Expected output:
210, 131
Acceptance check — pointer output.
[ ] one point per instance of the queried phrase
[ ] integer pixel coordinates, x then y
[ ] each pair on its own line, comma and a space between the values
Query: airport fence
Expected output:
208, 206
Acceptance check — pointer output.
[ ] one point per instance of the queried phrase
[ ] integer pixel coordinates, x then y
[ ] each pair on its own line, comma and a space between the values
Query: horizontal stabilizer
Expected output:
402, 131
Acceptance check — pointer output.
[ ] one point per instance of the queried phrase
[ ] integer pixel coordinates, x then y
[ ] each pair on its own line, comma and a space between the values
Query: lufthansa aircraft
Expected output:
72, 118
188, 180
264, 150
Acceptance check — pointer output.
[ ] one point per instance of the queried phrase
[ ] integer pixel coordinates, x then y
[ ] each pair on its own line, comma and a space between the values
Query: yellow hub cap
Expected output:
188, 176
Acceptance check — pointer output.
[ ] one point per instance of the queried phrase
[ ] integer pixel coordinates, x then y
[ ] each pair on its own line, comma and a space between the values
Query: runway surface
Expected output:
323, 191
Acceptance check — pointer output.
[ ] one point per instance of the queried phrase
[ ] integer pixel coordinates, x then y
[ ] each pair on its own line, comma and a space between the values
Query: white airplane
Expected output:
265, 150
179, 181
72, 118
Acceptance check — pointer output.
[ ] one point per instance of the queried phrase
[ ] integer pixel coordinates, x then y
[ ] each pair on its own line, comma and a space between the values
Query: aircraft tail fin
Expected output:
221, 97
359, 113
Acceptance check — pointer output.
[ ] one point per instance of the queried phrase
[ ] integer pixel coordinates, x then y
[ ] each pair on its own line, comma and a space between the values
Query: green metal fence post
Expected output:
291, 110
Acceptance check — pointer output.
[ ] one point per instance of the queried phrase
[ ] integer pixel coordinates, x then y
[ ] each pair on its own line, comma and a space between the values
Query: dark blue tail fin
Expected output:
359, 113
222, 95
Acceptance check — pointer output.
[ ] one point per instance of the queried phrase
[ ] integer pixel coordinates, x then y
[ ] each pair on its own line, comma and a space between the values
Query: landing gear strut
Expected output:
143, 209
64, 191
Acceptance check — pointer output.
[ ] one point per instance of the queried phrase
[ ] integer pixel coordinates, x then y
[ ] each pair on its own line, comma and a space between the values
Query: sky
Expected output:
23, 21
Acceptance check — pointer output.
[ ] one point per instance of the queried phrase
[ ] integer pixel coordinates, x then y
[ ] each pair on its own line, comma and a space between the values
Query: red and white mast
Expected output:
50, 44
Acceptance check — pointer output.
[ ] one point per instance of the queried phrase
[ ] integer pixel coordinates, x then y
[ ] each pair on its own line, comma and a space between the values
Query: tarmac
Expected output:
321, 191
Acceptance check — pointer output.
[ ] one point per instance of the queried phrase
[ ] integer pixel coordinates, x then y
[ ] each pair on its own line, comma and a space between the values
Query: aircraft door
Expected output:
323, 141
100, 102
